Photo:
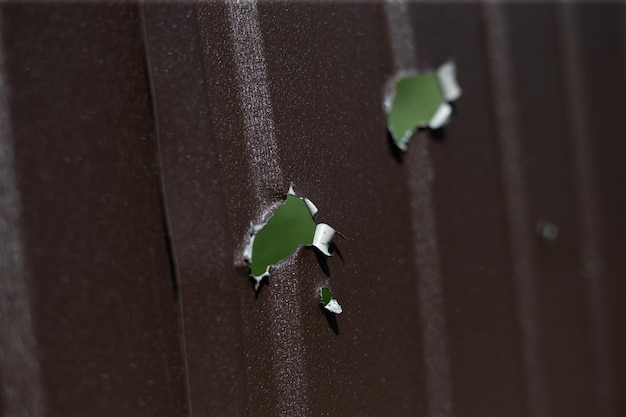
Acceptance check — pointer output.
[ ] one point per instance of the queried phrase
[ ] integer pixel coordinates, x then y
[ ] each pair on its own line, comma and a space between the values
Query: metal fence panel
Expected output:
146, 138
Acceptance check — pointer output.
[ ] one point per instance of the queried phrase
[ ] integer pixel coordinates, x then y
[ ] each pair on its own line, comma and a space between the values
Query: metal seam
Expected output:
169, 239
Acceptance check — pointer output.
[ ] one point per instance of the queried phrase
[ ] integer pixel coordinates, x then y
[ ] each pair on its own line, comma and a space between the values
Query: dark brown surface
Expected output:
479, 292
103, 307
199, 217
133, 164
605, 90
563, 328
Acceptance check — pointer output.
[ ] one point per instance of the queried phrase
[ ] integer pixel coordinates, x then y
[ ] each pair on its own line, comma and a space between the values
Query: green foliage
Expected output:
291, 226
416, 101
326, 296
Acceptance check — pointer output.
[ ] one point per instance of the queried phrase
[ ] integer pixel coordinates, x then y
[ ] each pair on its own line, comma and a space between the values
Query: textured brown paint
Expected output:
105, 317
327, 102
357, 353
104, 309
478, 287
198, 216
219, 73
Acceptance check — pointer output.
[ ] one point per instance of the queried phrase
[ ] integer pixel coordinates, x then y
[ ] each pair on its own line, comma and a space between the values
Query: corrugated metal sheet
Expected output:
138, 142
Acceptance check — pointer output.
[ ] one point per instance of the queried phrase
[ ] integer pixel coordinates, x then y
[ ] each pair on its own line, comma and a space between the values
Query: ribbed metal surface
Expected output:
139, 141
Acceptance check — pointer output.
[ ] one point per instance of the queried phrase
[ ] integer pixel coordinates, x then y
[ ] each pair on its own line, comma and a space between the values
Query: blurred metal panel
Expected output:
478, 283
597, 35
95, 259
563, 333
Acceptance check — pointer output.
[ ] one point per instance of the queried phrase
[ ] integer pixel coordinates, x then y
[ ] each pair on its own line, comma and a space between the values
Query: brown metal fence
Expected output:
139, 141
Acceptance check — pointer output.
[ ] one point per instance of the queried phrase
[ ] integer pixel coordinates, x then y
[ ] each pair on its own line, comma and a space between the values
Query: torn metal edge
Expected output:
332, 305
309, 204
441, 116
247, 253
450, 91
321, 238
446, 75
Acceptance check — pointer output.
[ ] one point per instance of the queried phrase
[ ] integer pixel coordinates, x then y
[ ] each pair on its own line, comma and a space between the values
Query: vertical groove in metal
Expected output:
516, 200
590, 246
167, 226
420, 181
264, 165
22, 393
